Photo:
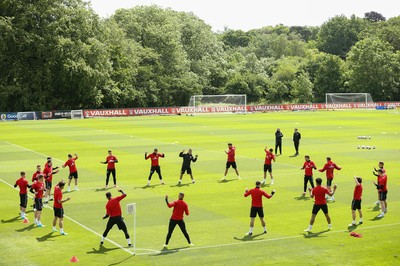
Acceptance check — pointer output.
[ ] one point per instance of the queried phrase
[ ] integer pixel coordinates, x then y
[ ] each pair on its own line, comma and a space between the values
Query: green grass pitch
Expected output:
219, 214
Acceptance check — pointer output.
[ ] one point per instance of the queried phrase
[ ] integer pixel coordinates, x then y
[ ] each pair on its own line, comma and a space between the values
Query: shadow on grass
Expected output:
26, 228
249, 238
47, 237
312, 235
181, 185
17, 218
101, 250
121, 261
376, 208
166, 251
302, 197
150, 186
376, 218
226, 180
265, 185
102, 189
294, 155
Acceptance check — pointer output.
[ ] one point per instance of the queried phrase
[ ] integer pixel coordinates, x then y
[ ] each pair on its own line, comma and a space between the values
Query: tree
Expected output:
339, 34
302, 89
373, 67
374, 16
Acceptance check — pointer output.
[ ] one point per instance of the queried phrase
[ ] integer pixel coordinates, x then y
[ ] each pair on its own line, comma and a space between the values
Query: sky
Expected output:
253, 14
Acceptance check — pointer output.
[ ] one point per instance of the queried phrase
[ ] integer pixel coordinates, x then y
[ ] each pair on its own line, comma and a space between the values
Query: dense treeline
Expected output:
58, 54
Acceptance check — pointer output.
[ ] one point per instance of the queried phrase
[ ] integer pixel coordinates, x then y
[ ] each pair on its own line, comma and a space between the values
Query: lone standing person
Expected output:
73, 172
155, 166
329, 167
180, 208
111, 160
269, 157
318, 193
278, 141
256, 205
296, 140
113, 208
308, 167
187, 159
23, 193
231, 161
58, 207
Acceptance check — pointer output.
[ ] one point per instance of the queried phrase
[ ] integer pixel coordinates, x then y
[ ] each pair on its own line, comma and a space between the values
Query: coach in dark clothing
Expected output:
296, 140
278, 141
187, 159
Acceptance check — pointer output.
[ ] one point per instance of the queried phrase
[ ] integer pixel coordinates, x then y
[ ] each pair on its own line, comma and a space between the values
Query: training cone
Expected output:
26, 221
74, 259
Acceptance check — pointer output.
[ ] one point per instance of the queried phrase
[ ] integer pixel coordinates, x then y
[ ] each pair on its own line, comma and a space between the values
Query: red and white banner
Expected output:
227, 109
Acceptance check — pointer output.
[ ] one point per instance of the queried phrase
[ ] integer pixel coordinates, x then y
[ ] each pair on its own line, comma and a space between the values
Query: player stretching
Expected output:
58, 207
155, 166
187, 159
257, 206
38, 188
111, 160
320, 202
269, 156
113, 208
308, 167
180, 207
356, 203
329, 167
231, 160
73, 172
382, 189
375, 173
48, 173
23, 194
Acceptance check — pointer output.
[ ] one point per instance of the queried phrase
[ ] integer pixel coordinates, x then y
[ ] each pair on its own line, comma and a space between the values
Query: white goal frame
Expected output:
74, 114
23, 115
221, 107
367, 101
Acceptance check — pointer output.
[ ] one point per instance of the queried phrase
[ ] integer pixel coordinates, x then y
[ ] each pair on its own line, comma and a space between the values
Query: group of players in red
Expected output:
318, 192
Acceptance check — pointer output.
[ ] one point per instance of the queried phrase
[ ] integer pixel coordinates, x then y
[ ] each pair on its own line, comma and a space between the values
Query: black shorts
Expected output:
382, 195
329, 182
118, 220
257, 210
356, 204
73, 175
318, 207
268, 167
58, 212
155, 169
23, 200
48, 184
38, 204
186, 169
229, 164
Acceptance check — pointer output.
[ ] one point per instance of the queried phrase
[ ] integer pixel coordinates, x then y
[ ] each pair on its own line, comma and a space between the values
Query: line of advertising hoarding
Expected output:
91, 113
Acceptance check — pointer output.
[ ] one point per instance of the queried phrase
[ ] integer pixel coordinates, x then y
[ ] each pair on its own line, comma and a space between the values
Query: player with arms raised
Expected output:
269, 157
187, 159
73, 172
155, 165
231, 161
329, 167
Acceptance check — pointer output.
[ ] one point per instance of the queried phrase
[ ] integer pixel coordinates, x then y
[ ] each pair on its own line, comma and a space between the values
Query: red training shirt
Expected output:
256, 196
358, 189
329, 167
231, 154
113, 207
110, 160
39, 188
35, 176
57, 197
382, 181
71, 164
180, 207
48, 172
319, 194
154, 158
23, 185
308, 167
269, 156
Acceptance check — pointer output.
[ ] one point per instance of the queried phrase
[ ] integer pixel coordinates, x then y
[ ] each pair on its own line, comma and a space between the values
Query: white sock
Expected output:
310, 226
129, 241
61, 230
102, 239
69, 187
23, 214
354, 221
251, 230
265, 228
360, 219
54, 228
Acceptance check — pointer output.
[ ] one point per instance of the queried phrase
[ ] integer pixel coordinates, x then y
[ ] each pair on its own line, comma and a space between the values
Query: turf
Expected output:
219, 213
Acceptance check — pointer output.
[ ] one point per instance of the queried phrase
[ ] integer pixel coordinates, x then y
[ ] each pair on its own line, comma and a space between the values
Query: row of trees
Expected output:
60, 55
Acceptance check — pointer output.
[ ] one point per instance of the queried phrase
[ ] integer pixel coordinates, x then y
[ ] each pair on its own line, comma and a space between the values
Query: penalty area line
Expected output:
261, 241
83, 226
